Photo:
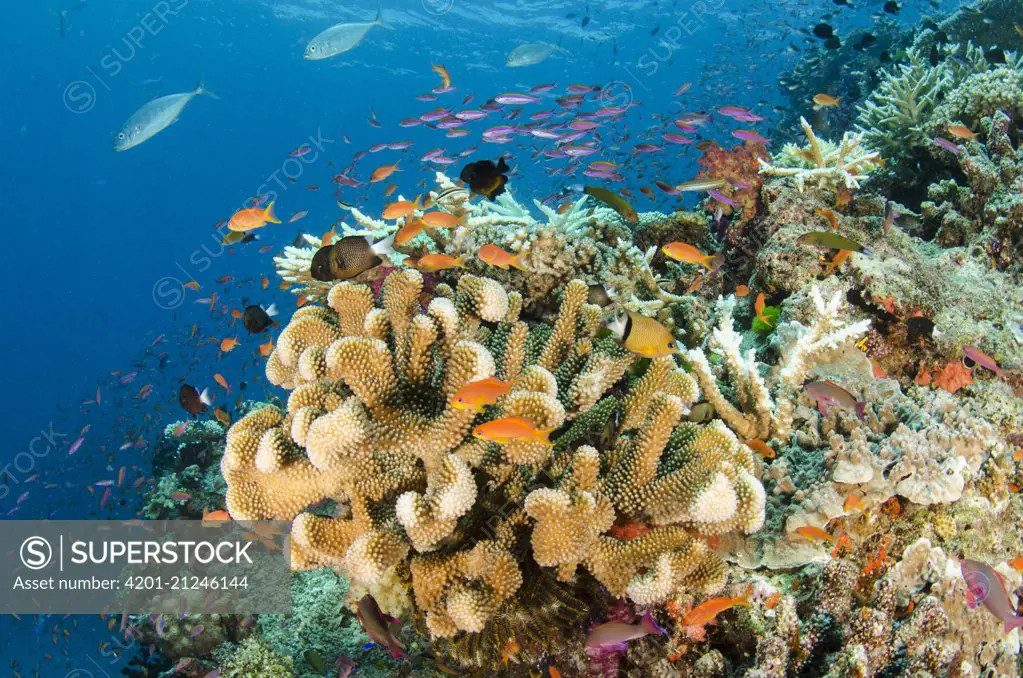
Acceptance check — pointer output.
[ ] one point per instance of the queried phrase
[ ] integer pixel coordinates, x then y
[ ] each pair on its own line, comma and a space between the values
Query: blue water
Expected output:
97, 243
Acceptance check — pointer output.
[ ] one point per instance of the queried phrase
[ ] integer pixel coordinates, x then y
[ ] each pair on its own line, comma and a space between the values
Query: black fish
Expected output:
192, 401
256, 319
485, 178
919, 327
995, 56
885, 57
891, 7
933, 56
585, 21
832, 43
841, 2
823, 31
867, 40
348, 258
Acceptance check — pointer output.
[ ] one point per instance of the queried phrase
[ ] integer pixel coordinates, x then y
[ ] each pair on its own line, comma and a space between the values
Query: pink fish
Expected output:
720, 197
646, 148
749, 135
22, 498
984, 585
667, 188
196, 630
683, 89
947, 145
828, 394
740, 114
380, 628
179, 430
304, 149
982, 359
76, 445
512, 99
106, 497
673, 138
297, 215
615, 634
410, 122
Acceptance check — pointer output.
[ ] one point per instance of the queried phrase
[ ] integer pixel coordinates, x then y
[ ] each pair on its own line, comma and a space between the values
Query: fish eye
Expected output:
312, 48
969, 363
459, 400
120, 135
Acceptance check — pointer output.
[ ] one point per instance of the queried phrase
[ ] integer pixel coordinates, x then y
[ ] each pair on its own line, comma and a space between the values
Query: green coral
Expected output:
254, 658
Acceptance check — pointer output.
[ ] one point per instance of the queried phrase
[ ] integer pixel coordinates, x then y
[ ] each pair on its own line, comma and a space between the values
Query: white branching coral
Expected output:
762, 411
823, 163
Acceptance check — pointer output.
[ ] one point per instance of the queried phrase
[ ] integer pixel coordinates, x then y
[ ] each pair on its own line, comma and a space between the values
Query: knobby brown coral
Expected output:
370, 426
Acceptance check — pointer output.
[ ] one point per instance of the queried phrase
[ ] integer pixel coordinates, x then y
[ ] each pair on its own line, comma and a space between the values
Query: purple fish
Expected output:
196, 630
425, 97
399, 145
76, 445
376, 148
435, 115
583, 125
570, 137
947, 145
984, 585
616, 634
673, 138
379, 627
410, 122
749, 135
646, 148
982, 359
576, 151
513, 99
471, 115
582, 89
720, 197
541, 133
499, 131
448, 123
540, 89
685, 126
740, 114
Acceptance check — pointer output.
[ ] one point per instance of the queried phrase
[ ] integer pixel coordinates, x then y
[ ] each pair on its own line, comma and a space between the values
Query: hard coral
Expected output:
823, 163
370, 425
739, 167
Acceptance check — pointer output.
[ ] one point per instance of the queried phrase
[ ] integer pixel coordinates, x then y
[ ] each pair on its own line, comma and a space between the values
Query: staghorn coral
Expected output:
370, 426
822, 163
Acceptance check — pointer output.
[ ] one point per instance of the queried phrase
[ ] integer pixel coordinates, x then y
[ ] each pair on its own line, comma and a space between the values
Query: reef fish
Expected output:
705, 612
832, 240
529, 54
643, 336
700, 185
475, 395
154, 117
824, 100
495, 256
339, 38
431, 263
615, 634
614, 201
828, 394
380, 627
192, 401
256, 319
985, 586
348, 257
485, 177
504, 431
680, 251
982, 359
252, 218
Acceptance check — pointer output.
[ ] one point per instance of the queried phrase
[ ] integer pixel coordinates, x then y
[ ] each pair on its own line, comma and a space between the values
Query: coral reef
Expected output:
823, 163
739, 167
370, 425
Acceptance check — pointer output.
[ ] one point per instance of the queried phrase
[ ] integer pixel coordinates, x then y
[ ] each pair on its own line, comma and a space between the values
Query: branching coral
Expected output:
761, 413
823, 163
370, 425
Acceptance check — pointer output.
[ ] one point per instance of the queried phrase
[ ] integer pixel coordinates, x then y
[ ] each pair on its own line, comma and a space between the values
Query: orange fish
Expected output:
758, 306
680, 251
265, 282
229, 344
1018, 455
214, 516
742, 291
705, 612
647, 191
236, 313
504, 431
382, 172
397, 210
410, 230
222, 416
265, 349
495, 256
843, 196
445, 77
301, 301
829, 215
284, 285
475, 395
554, 672
824, 101
814, 533
1016, 564
852, 503
961, 131
696, 284
251, 218
328, 237
837, 262
389, 191
219, 378
761, 448
441, 220
192, 285
431, 263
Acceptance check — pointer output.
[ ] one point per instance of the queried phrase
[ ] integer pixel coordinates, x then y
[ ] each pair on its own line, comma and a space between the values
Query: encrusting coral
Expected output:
371, 427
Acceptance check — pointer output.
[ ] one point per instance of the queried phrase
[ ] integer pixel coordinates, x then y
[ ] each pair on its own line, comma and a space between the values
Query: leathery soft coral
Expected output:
739, 167
455, 521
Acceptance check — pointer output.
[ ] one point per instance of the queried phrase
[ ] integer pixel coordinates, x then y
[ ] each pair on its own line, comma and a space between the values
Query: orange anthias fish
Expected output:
495, 256
814, 533
265, 282
445, 77
829, 215
742, 291
758, 306
219, 378
504, 431
760, 447
389, 191
410, 230
327, 238
192, 285
229, 344
705, 612
475, 395
438, 262
397, 210
961, 131
680, 251
825, 100
852, 503
1016, 564
441, 220
837, 262
252, 218
382, 172
265, 349
214, 516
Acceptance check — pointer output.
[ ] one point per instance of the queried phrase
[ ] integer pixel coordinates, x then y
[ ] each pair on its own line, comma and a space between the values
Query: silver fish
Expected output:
340, 38
530, 54
154, 117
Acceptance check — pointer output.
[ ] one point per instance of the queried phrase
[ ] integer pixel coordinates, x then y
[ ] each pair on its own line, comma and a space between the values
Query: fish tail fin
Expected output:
650, 625
268, 214
707, 261
205, 398
272, 311
1013, 623
200, 89
543, 437
516, 261
743, 600
460, 261
379, 20
385, 246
